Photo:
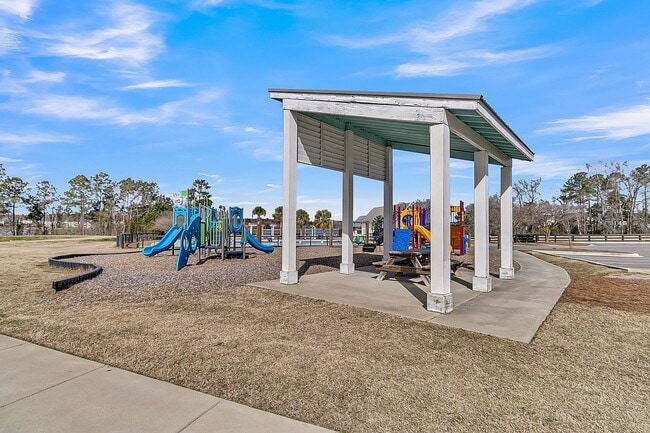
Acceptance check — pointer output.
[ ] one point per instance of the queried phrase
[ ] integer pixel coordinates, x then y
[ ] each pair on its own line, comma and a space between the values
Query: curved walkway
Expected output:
42, 390
514, 309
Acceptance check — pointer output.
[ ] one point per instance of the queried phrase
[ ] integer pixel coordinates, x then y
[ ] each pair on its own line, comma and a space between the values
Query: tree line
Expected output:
93, 204
608, 198
321, 219
100, 205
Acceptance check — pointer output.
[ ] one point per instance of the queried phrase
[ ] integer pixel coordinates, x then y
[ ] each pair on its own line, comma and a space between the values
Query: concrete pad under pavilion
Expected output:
514, 309
356, 132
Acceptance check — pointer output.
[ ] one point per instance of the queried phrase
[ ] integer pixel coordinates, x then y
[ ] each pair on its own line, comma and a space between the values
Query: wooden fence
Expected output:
535, 237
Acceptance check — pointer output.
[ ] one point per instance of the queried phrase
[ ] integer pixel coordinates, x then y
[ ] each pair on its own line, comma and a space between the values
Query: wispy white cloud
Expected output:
207, 3
5, 159
245, 203
627, 122
36, 76
266, 4
459, 21
236, 129
8, 84
13, 85
215, 177
269, 187
68, 107
34, 138
446, 44
548, 167
462, 60
265, 149
309, 200
462, 20
127, 38
440, 67
158, 84
9, 40
459, 164
259, 143
192, 110
21, 8
368, 42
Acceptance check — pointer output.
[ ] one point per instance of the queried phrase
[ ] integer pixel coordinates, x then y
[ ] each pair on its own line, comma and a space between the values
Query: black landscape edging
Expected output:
91, 270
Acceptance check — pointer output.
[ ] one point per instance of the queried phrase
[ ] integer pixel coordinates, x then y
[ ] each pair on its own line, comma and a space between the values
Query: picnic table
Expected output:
415, 261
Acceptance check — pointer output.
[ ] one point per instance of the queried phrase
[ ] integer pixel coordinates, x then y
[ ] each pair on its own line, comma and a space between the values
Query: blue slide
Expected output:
189, 241
255, 243
165, 243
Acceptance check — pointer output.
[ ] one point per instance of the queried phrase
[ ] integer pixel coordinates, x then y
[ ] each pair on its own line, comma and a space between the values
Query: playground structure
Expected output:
417, 219
203, 230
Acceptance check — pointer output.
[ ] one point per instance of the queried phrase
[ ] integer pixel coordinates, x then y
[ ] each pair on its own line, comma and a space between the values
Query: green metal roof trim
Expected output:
414, 136
409, 137
484, 129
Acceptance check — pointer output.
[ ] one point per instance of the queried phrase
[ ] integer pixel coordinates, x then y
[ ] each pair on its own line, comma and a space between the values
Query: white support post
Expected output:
440, 298
347, 244
506, 271
289, 273
388, 203
482, 281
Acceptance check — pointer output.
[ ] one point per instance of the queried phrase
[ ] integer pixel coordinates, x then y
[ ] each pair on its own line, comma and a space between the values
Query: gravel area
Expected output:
135, 278
132, 278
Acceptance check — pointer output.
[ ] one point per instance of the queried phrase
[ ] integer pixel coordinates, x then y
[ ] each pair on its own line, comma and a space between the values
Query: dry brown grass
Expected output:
594, 285
351, 369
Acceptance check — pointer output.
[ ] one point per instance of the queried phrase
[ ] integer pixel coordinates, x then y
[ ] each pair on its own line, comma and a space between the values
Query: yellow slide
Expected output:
423, 231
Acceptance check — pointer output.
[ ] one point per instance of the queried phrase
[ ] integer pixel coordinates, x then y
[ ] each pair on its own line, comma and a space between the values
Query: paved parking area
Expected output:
630, 256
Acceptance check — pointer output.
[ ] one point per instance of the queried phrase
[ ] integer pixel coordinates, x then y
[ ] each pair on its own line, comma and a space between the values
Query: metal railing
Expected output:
125, 239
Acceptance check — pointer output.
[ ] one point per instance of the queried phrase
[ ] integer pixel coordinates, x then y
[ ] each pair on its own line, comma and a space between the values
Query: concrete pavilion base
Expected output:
440, 303
514, 309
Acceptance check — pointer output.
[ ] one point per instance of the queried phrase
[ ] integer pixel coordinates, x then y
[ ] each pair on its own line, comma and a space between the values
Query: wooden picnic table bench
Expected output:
413, 261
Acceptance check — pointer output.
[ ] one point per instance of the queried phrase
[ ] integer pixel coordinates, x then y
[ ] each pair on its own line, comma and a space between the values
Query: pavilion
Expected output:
356, 132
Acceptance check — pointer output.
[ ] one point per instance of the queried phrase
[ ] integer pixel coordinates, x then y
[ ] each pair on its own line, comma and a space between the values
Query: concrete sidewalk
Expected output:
42, 390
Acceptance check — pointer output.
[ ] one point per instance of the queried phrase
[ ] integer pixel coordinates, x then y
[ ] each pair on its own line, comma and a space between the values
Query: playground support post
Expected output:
367, 227
440, 297
506, 271
482, 282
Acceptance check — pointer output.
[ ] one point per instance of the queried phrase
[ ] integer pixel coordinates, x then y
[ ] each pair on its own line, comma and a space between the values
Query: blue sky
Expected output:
170, 91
